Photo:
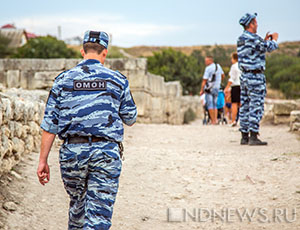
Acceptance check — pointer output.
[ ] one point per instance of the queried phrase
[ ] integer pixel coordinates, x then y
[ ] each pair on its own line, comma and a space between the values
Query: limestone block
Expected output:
295, 126
3, 78
268, 112
173, 89
157, 110
37, 64
115, 64
284, 107
25, 131
5, 131
10, 64
37, 143
295, 120
173, 116
19, 130
194, 103
71, 63
29, 111
41, 112
2, 69
11, 126
1, 115
57, 64
7, 164
43, 80
13, 78
7, 108
138, 80
143, 103
29, 143
130, 64
17, 145
295, 116
25, 78
157, 85
281, 119
7, 145
141, 63
18, 106
34, 129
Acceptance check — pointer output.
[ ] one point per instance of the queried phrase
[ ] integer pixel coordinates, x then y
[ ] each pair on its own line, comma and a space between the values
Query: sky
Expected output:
155, 22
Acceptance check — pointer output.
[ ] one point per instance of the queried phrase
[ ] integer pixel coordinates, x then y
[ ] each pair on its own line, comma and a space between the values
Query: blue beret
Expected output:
247, 18
99, 37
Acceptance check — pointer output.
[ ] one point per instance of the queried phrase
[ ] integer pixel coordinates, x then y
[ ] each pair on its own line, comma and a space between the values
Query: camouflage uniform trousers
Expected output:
253, 92
90, 173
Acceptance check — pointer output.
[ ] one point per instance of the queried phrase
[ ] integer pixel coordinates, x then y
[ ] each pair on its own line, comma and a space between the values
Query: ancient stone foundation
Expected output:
157, 101
25, 84
20, 117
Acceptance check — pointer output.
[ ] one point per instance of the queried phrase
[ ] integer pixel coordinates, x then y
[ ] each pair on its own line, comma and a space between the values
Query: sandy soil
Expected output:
179, 177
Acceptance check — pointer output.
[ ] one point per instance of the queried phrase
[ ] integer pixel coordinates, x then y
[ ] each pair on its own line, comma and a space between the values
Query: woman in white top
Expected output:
234, 83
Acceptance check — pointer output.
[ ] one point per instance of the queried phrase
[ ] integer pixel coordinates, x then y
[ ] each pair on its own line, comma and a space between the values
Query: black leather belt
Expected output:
89, 139
255, 71
84, 139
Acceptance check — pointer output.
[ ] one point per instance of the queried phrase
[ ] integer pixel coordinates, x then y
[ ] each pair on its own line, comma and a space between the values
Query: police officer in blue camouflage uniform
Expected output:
251, 50
86, 108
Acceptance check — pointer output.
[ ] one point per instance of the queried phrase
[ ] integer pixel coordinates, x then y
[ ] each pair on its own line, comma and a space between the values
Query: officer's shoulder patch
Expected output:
91, 85
241, 42
120, 74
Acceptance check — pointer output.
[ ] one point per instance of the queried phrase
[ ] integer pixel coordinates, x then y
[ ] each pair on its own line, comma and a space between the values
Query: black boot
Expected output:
245, 138
254, 140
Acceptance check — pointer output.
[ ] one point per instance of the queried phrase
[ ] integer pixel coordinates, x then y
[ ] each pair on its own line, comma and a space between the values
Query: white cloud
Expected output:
124, 33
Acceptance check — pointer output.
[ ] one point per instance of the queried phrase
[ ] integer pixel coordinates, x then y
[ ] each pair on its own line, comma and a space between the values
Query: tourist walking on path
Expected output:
213, 75
234, 84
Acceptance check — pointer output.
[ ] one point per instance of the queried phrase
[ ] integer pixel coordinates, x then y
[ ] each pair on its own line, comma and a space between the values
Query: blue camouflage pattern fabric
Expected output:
247, 18
90, 174
99, 113
90, 100
99, 37
251, 50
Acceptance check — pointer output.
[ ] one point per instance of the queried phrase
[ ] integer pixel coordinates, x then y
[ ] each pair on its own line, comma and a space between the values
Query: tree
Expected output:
283, 73
5, 51
174, 65
46, 47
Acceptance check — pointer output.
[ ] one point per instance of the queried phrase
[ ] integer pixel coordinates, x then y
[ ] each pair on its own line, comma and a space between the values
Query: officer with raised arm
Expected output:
251, 50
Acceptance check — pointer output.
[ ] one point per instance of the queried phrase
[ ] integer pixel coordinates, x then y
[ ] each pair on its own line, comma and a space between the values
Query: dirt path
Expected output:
188, 174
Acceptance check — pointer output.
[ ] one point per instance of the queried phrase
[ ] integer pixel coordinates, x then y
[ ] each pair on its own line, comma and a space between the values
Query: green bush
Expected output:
176, 66
283, 73
46, 47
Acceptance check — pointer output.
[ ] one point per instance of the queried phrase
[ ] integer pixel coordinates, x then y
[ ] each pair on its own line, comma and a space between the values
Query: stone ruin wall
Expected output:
24, 91
25, 85
157, 101
20, 118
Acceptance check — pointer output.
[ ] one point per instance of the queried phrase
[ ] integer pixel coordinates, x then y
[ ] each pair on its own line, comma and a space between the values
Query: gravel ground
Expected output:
178, 177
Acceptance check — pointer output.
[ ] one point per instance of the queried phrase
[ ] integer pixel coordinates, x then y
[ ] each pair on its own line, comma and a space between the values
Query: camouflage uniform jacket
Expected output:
87, 100
251, 50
